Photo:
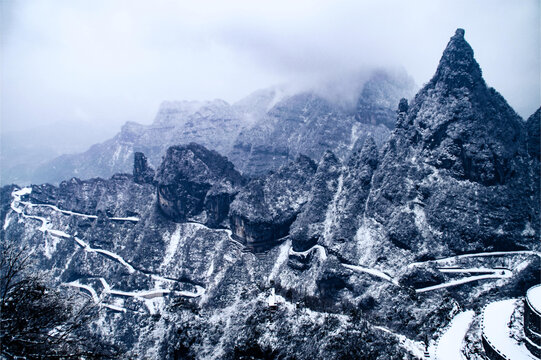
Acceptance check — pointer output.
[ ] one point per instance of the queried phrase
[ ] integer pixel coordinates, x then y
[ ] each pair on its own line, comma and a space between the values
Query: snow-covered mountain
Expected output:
258, 133
390, 253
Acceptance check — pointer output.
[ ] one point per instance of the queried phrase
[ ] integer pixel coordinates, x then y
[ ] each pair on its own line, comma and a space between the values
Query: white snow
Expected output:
282, 258
332, 211
501, 271
114, 307
272, 298
172, 246
148, 294
58, 233
211, 268
371, 271
416, 348
499, 274
114, 256
198, 292
23, 191
88, 288
118, 258
450, 344
322, 251
534, 297
129, 218
496, 317
106, 286
484, 254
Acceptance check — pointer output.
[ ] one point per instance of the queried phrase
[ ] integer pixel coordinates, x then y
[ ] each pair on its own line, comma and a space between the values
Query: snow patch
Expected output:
496, 317
450, 344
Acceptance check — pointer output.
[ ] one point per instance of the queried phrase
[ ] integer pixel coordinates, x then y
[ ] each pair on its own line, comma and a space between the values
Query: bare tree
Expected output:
36, 322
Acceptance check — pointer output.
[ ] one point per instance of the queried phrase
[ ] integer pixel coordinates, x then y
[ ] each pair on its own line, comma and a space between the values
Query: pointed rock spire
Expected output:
458, 67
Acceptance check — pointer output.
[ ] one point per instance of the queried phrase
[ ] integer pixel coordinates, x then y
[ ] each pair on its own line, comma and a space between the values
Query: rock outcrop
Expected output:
143, 173
196, 183
264, 210
454, 165
310, 226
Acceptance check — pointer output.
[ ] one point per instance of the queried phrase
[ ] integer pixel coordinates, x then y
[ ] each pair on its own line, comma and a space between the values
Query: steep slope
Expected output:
453, 177
196, 183
259, 133
263, 211
310, 124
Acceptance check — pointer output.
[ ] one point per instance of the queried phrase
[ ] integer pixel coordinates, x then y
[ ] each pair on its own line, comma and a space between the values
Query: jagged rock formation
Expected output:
259, 133
309, 124
265, 209
194, 182
352, 248
143, 173
309, 226
454, 163
350, 201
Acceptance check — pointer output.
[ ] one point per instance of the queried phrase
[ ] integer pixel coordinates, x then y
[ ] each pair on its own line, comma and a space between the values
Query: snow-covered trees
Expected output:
36, 322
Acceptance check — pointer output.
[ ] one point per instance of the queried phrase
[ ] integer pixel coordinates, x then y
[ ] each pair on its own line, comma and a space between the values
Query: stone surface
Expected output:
196, 183
264, 210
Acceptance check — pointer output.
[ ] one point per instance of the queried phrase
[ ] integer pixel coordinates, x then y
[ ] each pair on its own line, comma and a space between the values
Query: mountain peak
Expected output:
458, 67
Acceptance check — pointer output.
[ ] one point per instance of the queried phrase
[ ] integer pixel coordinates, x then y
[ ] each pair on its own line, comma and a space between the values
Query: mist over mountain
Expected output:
327, 231
258, 133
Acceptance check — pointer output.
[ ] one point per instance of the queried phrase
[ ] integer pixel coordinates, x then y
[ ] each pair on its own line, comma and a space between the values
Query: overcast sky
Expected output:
107, 62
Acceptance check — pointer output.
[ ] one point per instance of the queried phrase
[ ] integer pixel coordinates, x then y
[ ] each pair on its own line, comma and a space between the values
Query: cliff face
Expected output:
264, 210
454, 164
259, 133
186, 261
196, 183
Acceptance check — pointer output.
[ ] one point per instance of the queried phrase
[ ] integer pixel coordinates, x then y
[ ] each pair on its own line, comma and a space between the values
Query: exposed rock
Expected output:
351, 200
143, 173
265, 209
309, 227
96, 196
533, 130
196, 183
259, 133
453, 165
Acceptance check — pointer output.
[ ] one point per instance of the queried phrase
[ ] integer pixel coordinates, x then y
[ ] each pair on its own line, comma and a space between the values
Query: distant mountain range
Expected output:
339, 238
259, 133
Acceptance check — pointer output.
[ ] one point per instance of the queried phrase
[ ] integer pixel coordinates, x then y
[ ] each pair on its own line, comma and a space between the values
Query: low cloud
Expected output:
109, 62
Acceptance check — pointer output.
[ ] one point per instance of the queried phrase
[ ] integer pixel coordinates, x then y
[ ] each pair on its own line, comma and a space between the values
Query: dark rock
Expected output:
533, 130
187, 175
143, 173
455, 164
309, 226
265, 209
351, 199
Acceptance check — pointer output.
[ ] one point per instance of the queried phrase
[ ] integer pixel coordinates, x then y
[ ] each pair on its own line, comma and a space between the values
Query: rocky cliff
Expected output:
387, 246
196, 183
261, 132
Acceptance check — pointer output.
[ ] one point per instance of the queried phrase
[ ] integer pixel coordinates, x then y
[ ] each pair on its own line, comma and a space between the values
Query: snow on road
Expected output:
496, 317
322, 251
88, 288
501, 271
371, 271
465, 256
151, 298
109, 254
496, 274
450, 344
